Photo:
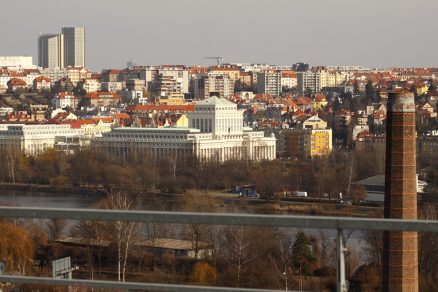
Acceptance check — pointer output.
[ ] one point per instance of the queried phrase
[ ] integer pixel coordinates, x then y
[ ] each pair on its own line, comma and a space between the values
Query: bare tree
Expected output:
282, 260
55, 228
124, 232
198, 232
237, 245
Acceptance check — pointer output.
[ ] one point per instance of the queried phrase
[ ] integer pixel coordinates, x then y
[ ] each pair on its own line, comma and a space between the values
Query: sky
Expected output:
372, 33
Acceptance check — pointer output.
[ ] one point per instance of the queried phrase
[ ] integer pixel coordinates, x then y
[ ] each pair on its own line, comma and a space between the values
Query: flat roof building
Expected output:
215, 132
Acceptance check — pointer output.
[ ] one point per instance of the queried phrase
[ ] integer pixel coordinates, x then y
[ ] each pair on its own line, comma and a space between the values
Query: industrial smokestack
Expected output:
400, 249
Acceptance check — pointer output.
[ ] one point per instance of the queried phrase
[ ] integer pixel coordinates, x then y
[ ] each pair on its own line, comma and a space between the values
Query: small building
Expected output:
375, 187
245, 190
41, 83
100, 99
175, 247
16, 84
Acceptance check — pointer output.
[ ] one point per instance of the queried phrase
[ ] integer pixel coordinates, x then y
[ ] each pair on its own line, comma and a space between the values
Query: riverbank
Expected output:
52, 189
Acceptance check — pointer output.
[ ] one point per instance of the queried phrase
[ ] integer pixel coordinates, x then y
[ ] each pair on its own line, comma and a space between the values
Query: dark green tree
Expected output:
369, 90
79, 89
303, 258
308, 92
356, 87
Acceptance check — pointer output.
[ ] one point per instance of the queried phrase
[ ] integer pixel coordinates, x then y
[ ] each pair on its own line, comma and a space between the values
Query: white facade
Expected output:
54, 73
206, 84
92, 85
63, 100
180, 73
215, 132
34, 139
24, 62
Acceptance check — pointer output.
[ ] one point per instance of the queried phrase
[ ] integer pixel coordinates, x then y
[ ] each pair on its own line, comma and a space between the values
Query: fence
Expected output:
316, 222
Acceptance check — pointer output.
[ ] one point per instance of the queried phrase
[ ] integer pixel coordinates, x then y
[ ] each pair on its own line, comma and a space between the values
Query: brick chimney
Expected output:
400, 249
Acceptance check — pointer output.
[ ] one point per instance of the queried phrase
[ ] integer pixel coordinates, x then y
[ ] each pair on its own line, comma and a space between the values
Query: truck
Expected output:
300, 194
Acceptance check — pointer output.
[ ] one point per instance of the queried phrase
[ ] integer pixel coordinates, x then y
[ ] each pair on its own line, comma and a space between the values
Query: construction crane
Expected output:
218, 59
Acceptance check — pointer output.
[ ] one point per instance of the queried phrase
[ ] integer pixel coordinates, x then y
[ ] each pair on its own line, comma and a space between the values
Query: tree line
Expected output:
90, 169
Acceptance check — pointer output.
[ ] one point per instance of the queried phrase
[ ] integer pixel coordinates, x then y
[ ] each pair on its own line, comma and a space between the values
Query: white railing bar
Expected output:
317, 222
122, 285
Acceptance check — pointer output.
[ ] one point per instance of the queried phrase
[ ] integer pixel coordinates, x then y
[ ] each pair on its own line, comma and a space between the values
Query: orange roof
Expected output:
17, 74
17, 81
113, 71
121, 116
320, 98
76, 124
27, 71
41, 79
161, 107
101, 94
303, 100
103, 119
64, 94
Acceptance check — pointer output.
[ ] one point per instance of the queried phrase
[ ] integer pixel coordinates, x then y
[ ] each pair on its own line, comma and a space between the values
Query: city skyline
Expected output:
281, 33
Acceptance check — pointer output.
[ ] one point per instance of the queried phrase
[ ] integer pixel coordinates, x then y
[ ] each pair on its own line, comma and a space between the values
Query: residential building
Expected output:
288, 79
65, 99
41, 83
54, 74
74, 46
16, 84
210, 84
233, 72
311, 81
76, 74
4, 111
215, 132
112, 86
135, 84
100, 99
314, 122
51, 51
91, 85
308, 143
269, 82
311, 139
165, 85
151, 74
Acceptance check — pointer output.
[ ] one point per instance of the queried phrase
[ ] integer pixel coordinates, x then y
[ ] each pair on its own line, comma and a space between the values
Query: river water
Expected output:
156, 202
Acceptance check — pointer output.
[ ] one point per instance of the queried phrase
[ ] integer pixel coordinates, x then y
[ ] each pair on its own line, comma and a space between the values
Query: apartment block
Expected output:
269, 83
210, 84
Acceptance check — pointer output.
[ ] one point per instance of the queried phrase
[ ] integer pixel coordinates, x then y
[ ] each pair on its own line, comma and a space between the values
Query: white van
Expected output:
300, 194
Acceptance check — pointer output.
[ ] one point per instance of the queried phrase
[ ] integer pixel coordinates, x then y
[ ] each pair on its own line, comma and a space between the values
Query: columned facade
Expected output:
216, 133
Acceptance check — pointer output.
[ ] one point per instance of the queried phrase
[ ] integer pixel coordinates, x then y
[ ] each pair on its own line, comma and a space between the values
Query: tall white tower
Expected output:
74, 46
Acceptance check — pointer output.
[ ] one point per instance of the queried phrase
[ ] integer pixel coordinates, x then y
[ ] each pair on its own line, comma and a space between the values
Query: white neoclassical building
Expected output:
33, 139
215, 132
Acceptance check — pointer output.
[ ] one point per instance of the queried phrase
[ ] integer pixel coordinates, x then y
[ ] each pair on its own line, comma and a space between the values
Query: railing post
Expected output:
341, 284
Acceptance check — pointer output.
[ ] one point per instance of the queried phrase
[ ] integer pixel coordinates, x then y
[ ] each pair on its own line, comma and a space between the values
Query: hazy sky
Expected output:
324, 32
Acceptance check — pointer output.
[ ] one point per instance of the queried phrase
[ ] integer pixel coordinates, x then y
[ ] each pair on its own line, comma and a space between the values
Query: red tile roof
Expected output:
161, 107
41, 79
17, 81
121, 116
101, 94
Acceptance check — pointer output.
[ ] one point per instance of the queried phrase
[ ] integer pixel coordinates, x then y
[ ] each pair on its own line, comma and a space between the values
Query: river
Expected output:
155, 202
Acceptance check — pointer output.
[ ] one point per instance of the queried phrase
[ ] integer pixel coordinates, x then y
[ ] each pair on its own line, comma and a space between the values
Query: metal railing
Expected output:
315, 222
